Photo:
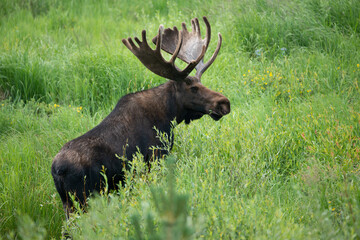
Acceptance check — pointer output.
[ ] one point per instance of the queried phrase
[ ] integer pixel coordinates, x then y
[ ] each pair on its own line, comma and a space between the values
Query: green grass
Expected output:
283, 164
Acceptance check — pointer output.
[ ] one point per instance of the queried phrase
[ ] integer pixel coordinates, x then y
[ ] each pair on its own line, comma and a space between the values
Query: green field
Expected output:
284, 164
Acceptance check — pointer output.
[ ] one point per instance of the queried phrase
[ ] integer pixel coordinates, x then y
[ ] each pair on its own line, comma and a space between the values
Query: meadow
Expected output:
284, 164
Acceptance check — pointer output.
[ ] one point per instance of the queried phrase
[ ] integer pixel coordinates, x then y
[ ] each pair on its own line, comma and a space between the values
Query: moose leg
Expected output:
154, 155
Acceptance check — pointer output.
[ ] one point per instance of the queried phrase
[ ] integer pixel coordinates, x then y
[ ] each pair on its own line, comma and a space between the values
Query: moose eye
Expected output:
194, 89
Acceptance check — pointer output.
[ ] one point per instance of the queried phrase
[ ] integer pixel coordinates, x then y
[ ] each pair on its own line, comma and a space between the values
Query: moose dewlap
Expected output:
130, 126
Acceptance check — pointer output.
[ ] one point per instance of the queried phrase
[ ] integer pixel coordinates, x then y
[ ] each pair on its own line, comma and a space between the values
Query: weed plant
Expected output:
284, 164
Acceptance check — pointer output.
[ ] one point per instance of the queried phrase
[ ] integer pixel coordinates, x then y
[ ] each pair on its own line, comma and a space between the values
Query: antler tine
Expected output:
208, 31
211, 60
128, 45
143, 36
183, 25
177, 50
196, 27
159, 39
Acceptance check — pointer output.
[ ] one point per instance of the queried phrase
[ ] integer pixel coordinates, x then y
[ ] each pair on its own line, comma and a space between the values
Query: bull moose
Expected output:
133, 124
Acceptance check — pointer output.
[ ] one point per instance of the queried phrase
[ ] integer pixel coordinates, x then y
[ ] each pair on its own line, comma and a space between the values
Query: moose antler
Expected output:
154, 61
192, 44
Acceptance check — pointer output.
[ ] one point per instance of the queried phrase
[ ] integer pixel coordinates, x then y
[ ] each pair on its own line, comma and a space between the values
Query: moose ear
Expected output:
188, 81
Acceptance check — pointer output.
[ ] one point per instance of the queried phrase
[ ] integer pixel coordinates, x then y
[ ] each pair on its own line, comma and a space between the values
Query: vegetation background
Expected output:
284, 164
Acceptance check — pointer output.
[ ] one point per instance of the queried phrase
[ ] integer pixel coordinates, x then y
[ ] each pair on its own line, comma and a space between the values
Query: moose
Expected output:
133, 124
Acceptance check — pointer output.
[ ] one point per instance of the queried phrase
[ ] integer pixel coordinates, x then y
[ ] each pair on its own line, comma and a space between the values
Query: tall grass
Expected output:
283, 164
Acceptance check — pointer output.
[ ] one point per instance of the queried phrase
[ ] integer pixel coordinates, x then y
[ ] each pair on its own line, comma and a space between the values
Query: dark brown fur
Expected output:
127, 129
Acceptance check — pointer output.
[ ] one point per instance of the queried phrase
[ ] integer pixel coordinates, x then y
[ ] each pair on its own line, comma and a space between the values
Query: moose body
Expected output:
133, 124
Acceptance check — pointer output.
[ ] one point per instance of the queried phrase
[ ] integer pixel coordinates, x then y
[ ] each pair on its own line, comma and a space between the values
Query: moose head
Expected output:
195, 99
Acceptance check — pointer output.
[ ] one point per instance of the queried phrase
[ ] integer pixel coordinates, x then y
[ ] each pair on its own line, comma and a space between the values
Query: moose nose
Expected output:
224, 106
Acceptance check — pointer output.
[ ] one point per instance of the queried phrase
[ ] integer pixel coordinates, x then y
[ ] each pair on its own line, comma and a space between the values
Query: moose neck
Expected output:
172, 104
163, 104
159, 105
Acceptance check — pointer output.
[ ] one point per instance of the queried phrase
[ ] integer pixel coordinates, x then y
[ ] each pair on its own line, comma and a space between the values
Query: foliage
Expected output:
162, 213
284, 164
